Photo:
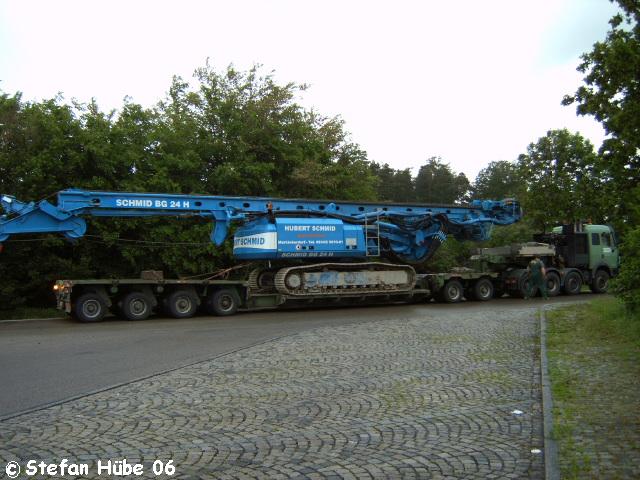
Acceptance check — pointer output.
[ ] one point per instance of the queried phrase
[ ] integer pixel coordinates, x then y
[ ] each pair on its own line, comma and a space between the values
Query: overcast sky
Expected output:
470, 81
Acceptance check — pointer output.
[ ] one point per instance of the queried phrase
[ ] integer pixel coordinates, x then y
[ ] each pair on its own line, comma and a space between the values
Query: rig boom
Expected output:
274, 228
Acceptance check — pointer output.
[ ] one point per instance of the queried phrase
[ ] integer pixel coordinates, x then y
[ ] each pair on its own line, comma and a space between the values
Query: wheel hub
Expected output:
183, 304
226, 302
91, 308
138, 307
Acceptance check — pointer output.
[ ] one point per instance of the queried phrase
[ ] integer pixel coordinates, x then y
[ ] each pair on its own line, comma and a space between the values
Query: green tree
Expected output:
559, 184
393, 185
247, 136
497, 180
437, 183
627, 284
611, 94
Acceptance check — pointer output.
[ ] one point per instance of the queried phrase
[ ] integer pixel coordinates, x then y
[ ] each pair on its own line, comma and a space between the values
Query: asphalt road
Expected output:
44, 362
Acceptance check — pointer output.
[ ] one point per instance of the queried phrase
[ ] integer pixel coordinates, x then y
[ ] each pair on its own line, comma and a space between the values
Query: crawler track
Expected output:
345, 279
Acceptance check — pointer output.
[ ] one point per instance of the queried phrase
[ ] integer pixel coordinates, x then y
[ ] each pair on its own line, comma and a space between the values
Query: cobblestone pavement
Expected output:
435, 396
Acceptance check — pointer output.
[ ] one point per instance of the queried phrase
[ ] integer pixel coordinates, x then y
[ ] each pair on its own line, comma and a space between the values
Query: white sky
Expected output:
471, 81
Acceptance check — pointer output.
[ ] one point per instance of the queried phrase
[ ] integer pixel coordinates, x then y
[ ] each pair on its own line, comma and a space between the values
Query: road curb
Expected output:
551, 467
9, 320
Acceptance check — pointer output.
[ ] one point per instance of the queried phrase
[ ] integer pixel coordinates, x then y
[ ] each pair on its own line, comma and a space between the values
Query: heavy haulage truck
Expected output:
314, 252
310, 251
573, 258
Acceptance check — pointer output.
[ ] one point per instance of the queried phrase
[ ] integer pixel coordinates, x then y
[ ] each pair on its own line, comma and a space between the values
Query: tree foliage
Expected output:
231, 133
498, 180
611, 94
627, 284
394, 185
558, 180
436, 182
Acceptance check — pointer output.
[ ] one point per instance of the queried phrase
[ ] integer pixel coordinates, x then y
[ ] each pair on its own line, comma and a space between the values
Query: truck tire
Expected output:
89, 308
572, 283
452, 292
182, 304
553, 284
600, 282
223, 302
136, 306
483, 290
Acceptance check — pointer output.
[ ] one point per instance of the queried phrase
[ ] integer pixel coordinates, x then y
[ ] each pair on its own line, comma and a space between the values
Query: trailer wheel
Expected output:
572, 283
553, 284
223, 302
182, 304
483, 290
136, 306
452, 291
600, 282
90, 307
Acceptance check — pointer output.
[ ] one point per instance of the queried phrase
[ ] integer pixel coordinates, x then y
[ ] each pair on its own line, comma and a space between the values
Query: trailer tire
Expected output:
452, 292
223, 302
90, 308
553, 284
572, 283
182, 304
483, 290
136, 306
600, 282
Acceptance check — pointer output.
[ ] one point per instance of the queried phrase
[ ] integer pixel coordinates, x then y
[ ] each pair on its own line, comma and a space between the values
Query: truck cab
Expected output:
586, 251
592, 248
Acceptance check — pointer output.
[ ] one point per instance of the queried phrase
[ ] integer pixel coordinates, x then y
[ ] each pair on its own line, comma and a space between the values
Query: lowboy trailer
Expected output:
340, 251
572, 260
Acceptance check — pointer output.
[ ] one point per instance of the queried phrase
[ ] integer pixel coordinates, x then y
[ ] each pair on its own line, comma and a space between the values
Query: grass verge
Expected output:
594, 364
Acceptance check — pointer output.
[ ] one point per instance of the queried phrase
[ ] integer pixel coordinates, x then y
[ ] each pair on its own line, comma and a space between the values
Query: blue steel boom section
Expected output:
276, 228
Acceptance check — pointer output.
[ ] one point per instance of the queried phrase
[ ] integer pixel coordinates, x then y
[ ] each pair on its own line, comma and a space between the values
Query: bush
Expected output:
627, 285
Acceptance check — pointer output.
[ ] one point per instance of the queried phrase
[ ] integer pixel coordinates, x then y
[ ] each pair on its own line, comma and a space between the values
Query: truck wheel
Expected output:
572, 283
600, 282
452, 291
223, 302
182, 304
136, 306
553, 284
90, 307
483, 290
